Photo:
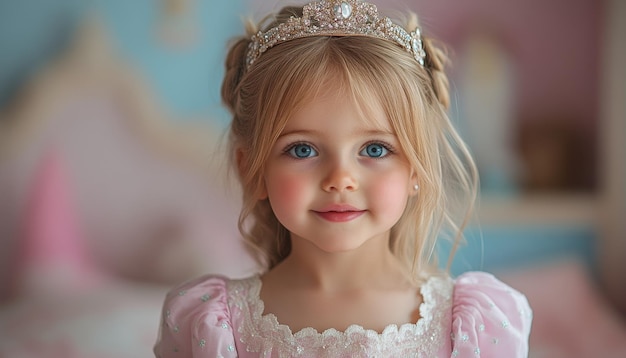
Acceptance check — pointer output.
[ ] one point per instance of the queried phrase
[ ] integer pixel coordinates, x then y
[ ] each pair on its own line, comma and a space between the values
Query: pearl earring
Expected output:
416, 187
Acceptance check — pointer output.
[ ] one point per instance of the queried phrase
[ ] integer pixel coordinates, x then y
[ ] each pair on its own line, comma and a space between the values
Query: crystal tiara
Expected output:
336, 18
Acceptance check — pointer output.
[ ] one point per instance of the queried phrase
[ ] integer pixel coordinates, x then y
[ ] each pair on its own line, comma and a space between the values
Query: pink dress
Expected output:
473, 316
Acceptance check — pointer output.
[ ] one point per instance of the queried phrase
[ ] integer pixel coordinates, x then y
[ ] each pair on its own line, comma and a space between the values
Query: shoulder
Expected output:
200, 296
206, 293
196, 318
489, 317
207, 285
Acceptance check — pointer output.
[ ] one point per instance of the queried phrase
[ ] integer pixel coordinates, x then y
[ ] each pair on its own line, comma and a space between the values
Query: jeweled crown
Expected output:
337, 18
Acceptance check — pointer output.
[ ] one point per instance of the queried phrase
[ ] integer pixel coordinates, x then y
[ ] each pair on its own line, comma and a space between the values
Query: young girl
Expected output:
351, 171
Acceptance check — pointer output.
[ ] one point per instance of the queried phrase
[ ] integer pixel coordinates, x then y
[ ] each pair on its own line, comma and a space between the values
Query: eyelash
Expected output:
387, 146
295, 144
390, 149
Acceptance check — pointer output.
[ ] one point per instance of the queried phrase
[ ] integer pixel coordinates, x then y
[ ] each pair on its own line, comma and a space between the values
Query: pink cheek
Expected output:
287, 191
391, 193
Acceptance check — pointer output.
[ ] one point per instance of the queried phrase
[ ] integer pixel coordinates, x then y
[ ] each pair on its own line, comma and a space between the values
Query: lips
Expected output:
339, 213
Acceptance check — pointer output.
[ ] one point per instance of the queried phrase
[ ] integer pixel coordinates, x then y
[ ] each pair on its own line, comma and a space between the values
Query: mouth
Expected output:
339, 213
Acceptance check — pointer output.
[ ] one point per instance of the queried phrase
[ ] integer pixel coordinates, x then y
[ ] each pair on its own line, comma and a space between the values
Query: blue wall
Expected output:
496, 248
34, 31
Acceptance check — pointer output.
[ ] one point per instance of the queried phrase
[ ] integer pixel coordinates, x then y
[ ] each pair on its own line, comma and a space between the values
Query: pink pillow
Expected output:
52, 255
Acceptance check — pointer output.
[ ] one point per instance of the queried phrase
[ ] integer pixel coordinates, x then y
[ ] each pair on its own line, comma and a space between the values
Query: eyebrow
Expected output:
358, 132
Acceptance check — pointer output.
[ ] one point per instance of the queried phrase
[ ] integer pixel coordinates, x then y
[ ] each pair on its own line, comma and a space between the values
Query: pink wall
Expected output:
556, 44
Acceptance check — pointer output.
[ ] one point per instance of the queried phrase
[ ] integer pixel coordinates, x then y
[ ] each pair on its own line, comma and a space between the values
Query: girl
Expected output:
350, 171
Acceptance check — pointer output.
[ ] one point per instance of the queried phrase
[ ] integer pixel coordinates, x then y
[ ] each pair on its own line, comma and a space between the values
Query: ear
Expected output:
240, 159
413, 184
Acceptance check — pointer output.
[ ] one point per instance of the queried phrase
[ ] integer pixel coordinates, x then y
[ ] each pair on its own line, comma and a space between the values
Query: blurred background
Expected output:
113, 185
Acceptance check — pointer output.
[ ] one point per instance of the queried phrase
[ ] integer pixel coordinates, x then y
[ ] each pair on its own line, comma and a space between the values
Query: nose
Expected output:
339, 177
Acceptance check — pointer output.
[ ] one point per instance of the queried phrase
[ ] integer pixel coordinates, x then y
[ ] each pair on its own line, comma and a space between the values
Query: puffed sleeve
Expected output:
195, 321
489, 318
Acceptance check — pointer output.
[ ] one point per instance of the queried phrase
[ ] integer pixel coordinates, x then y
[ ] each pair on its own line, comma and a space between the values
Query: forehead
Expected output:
335, 108
335, 95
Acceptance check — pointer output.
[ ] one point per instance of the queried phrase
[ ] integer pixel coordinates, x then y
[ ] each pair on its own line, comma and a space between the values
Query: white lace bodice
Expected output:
265, 335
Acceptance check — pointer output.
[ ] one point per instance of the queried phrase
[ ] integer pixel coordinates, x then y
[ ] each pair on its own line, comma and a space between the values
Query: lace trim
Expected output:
264, 334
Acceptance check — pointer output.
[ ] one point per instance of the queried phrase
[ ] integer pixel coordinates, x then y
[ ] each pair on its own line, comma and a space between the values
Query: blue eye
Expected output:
302, 151
375, 150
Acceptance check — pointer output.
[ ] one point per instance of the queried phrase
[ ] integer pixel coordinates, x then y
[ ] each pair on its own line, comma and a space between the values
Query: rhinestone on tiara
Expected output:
337, 18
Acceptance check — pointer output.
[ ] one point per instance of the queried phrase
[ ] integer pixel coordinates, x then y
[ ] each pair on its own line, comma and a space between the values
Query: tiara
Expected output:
336, 18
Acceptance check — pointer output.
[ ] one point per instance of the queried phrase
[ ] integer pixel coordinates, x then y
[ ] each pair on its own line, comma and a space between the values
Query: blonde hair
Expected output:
415, 99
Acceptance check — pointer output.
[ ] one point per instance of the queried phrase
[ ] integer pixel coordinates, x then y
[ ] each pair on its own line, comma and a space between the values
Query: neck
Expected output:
372, 266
